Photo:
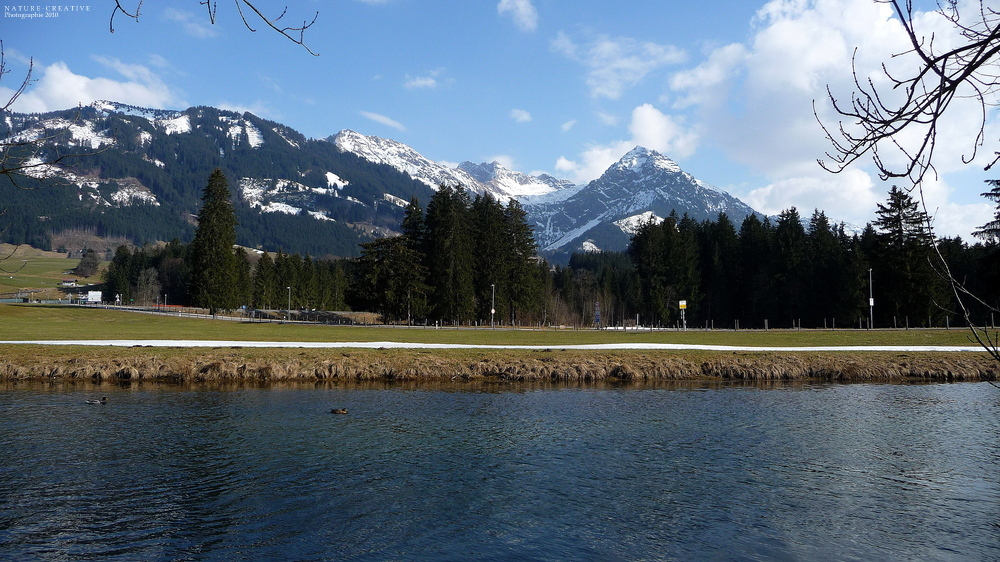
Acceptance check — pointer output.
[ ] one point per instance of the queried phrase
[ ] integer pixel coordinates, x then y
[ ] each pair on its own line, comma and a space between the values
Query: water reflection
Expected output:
499, 470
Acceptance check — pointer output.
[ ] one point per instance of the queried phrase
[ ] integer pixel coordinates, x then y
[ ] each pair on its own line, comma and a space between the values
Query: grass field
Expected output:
29, 269
53, 322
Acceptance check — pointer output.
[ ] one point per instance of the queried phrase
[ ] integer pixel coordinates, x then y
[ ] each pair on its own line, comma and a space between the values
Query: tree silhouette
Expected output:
213, 264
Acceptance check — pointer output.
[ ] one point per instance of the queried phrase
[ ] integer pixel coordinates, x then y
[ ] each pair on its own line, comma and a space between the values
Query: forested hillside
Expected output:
137, 173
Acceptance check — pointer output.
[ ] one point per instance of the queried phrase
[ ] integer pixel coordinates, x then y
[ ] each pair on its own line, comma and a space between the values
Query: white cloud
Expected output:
192, 25
520, 115
504, 160
850, 196
614, 65
382, 119
523, 13
755, 102
593, 162
650, 128
663, 133
258, 109
568, 125
428, 80
413, 83
607, 118
60, 88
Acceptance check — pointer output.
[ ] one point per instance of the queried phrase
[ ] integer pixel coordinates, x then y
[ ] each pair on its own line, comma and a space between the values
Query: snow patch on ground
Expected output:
396, 200
175, 125
334, 181
630, 225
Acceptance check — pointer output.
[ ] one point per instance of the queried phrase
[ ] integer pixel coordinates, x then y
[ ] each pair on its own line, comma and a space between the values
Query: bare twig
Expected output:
965, 71
294, 33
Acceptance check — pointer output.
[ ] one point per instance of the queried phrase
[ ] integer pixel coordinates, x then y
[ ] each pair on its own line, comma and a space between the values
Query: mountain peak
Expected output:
639, 158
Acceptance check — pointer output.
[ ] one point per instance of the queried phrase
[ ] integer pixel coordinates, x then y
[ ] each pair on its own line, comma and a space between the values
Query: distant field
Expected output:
29, 269
44, 322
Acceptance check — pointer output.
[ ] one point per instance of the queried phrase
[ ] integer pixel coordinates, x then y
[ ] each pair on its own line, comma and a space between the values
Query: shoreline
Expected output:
246, 363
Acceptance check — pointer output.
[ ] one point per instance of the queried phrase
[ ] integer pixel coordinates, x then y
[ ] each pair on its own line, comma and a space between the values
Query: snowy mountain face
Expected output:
643, 185
510, 183
138, 167
363, 183
492, 178
404, 159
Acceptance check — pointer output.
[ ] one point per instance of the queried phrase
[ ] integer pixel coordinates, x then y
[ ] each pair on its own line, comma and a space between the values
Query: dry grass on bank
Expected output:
275, 365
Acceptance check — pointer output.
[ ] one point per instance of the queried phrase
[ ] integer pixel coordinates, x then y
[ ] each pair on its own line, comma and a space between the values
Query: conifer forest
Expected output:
464, 260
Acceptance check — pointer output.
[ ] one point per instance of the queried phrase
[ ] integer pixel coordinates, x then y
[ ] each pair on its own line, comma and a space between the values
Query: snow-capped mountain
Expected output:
643, 185
490, 178
142, 171
511, 183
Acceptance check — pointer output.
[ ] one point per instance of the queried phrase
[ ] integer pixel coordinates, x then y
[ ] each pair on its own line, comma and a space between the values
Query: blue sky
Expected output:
566, 87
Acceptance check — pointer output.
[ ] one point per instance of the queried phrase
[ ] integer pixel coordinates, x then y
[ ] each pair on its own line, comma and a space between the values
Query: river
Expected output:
779, 472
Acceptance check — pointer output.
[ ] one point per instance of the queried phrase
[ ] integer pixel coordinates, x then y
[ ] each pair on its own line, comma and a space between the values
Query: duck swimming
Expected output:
103, 400
338, 411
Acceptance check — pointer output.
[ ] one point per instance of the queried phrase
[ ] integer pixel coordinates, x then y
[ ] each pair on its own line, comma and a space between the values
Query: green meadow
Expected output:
55, 322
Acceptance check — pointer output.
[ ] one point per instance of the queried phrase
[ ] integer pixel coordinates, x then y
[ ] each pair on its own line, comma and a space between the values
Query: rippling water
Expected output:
829, 472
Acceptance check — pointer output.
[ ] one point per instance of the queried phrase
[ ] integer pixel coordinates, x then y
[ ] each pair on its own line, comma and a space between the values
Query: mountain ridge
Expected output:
149, 162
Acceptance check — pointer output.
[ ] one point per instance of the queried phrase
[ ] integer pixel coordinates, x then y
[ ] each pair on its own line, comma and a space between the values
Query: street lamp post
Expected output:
289, 303
871, 301
493, 303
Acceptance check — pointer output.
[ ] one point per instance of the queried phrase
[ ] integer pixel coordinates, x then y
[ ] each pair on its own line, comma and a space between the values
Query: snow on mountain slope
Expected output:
490, 178
643, 181
405, 159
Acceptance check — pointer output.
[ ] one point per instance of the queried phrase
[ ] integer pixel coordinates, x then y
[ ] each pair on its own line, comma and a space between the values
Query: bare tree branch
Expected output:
942, 76
921, 99
294, 33
22, 156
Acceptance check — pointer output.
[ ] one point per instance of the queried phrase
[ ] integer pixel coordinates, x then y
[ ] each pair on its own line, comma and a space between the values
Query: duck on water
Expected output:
103, 400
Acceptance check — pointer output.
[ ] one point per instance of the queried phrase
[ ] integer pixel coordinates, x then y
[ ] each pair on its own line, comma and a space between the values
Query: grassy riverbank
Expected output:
29, 362
232, 364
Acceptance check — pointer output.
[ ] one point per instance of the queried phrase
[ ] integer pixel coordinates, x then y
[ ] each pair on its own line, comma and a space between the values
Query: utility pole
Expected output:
871, 301
493, 303
289, 303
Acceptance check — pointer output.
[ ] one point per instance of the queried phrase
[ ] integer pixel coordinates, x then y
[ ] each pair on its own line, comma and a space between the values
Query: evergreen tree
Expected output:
522, 282
990, 232
493, 256
719, 253
390, 276
244, 281
907, 285
264, 283
117, 285
790, 262
213, 263
756, 288
450, 255
648, 253
89, 263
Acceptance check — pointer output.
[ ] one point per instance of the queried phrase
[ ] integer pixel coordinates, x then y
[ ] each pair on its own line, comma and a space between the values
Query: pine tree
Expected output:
907, 285
117, 285
263, 283
790, 261
492, 258
213, 263
450, 255
244, 281
990, 232
522, 280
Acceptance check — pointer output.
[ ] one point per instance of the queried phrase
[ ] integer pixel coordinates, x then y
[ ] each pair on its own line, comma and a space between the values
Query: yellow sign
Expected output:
684, 304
